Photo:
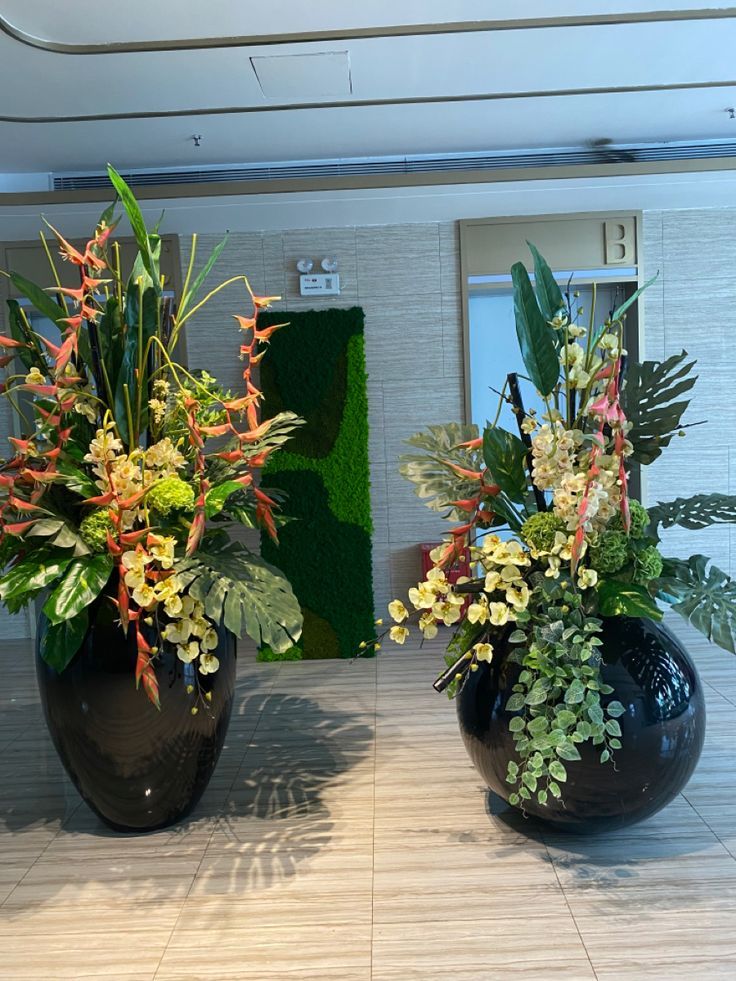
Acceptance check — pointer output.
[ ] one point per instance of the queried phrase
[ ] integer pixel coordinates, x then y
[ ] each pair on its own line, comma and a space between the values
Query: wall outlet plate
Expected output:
321, 284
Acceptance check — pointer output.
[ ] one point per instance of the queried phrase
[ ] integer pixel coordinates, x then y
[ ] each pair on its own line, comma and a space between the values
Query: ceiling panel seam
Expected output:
368, 103
363, 33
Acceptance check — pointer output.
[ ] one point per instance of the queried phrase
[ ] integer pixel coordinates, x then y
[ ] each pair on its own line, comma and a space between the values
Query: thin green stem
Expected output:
132, 437
190, 267
141, 361
55, 274
501, 400
180, 321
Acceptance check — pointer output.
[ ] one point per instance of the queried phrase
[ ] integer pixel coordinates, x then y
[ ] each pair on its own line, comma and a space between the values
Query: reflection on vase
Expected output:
136, 767
663, 730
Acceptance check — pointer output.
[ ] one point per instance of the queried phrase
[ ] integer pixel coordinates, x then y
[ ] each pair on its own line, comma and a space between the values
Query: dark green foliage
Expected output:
316, 368
694, 512
327, 562
242, 591
549, 295
268, 654
320, 639
649, 401
703, 594
505, 457
539, 530
537, 340
617, 598
610, 554
83, 581
60, 641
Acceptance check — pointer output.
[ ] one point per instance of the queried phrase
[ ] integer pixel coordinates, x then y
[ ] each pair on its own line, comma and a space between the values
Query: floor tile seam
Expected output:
569, 909
708, 826
215, 825
40, 855
373, 815
723, 695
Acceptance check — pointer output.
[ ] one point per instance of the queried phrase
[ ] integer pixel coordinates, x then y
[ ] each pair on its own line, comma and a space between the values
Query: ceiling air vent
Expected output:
451, 163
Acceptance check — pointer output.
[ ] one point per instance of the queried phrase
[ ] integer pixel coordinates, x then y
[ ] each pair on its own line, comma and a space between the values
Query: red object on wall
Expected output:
459, 568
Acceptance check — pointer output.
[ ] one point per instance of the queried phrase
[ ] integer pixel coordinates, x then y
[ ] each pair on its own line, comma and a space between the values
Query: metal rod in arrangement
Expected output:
520, 413
456, 672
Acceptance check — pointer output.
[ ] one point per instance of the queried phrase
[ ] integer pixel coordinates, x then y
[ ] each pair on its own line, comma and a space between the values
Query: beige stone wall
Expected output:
406, 279
692, 306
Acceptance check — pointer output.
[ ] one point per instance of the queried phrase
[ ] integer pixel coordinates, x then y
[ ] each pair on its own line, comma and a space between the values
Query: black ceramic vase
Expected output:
138, 768
663, 730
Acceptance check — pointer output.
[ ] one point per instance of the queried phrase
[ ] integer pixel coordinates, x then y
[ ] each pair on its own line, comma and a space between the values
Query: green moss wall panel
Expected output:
316, 368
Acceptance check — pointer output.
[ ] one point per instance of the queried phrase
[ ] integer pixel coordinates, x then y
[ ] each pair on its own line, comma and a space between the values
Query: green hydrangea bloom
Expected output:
170, 495
610, 554
648, 565
539, 530
639, 520
93, 529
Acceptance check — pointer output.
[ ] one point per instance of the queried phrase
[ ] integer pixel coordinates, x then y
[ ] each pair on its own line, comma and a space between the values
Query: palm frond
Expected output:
433, 478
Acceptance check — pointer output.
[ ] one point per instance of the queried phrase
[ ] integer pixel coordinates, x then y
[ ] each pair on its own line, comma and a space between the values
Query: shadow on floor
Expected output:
268, 809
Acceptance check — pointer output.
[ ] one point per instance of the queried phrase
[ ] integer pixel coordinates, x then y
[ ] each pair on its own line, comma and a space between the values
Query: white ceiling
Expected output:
42, 83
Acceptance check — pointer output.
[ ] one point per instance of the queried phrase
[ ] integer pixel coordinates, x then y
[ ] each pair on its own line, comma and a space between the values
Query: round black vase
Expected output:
663, 730
138, 768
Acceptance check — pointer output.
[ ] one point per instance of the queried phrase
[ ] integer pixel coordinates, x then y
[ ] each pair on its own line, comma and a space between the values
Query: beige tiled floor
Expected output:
346, 837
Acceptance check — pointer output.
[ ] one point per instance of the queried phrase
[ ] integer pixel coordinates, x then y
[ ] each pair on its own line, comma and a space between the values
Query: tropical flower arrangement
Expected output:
554, 539
132, 469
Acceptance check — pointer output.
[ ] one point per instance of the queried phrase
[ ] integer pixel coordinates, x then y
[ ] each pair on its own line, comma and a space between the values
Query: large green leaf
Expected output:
76, 480
617, 598
83, 582
138, 225
111, 336
648, 399
620, 311
549, 294
244, 592
41, 300
141, 319
431, 473
24, 580
19, 331
216, 497
59, 533
693, 512
536, 338
505, 457
705, 596
60, 641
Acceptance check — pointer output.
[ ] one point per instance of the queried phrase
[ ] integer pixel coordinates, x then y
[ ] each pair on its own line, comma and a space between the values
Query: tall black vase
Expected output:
138, 768
663, 730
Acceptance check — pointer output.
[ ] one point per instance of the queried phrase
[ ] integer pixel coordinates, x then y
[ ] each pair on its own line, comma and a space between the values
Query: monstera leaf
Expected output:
431, 473
649, 402
704, 596
693, 512
244, 592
